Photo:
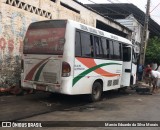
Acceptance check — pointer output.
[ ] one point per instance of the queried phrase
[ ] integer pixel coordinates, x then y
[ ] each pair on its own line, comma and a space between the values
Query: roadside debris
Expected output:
142, 88
3, 90
139, 100
15, 90
48, 104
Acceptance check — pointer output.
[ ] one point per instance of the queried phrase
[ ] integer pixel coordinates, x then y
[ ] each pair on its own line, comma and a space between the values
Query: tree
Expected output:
153, 51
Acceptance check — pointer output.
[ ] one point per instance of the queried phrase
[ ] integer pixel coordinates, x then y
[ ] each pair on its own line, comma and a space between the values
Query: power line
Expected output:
110, 1
140, 17
92, 1
118, 1
155, 15
105, 7
144, 35
155, 8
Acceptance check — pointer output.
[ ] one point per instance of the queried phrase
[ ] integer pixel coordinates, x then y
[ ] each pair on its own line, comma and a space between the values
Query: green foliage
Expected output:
153, 51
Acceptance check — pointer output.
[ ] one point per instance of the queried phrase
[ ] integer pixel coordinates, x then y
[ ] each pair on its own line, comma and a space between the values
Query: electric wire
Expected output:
140, 17
154, 8
142, 20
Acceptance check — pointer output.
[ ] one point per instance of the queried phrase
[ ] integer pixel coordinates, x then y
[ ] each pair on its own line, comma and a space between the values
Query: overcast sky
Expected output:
155, 14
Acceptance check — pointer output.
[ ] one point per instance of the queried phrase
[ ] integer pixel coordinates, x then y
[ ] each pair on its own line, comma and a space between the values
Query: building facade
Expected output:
137, 30
15, 17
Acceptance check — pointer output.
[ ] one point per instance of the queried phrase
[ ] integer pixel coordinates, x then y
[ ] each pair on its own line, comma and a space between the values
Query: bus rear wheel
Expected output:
96, 92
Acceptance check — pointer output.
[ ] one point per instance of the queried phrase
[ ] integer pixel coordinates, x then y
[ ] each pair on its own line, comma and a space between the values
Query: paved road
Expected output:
20, 107
114, 107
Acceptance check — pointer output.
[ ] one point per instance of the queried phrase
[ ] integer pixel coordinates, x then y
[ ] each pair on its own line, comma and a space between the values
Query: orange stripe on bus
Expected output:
91, 63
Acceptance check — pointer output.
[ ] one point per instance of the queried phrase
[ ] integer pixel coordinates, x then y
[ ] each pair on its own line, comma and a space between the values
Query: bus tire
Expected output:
96, 92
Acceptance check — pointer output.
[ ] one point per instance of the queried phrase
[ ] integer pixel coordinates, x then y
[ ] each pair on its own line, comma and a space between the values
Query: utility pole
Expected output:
145, 34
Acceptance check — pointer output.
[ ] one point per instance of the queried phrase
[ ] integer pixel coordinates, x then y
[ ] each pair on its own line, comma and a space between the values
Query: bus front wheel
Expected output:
96, 92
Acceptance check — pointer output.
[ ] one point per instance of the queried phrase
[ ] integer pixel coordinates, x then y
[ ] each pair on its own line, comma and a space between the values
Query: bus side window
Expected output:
121, 51
78, 51
117, 51
105, 48
111, 51
98, 47
87, 45
126, 53
134, 57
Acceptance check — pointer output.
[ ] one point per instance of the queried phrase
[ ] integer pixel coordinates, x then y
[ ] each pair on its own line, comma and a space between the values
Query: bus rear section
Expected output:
43, 63
72, 58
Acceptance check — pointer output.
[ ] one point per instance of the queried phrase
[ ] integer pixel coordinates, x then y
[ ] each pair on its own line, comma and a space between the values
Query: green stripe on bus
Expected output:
39, 72
77, 78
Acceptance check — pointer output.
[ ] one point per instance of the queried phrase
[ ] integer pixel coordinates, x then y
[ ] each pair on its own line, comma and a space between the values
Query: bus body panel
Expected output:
41, 72
87, 71
126, 75
134, 70
127, 66
46, 69
84, 71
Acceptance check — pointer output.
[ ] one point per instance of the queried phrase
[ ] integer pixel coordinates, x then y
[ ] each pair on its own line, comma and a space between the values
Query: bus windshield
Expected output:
46, 37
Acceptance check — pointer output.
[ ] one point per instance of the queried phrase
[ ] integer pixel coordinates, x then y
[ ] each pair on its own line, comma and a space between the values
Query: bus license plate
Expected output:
41, 87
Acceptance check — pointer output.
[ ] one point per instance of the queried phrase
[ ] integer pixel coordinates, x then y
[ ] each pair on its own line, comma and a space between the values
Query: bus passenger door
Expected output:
127, 65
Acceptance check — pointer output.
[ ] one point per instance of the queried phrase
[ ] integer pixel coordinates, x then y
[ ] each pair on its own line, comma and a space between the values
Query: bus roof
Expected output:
87, 28
99, 32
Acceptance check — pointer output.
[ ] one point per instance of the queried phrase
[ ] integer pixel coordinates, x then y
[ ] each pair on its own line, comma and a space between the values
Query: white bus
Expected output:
64, 56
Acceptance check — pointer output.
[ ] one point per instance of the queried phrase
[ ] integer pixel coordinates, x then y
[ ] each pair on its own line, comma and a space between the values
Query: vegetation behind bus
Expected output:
153, 51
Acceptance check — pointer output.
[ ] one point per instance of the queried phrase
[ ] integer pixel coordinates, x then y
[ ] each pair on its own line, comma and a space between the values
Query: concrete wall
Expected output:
13, 25
15, 16
134, 25
136, 28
